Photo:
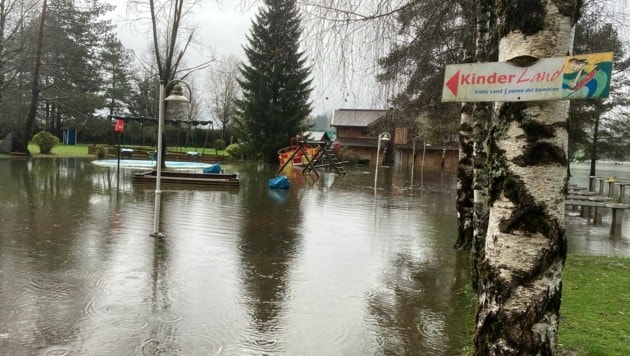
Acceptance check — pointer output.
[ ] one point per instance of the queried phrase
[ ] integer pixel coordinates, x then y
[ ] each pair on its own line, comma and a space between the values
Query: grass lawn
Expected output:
81, 150
62, 151
595, 310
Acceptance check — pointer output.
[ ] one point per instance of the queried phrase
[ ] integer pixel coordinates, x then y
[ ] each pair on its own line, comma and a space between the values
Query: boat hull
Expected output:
187, 179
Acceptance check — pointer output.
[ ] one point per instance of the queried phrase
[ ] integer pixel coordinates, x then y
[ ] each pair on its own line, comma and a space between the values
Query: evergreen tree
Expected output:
69, 82
275, 84
116, 63
586, 117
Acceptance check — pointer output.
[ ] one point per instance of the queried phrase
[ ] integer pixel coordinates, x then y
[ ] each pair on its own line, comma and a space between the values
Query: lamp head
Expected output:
385, 136
177, 95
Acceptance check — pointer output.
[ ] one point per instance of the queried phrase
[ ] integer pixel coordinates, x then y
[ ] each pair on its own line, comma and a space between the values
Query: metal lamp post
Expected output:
383, 136
176, 96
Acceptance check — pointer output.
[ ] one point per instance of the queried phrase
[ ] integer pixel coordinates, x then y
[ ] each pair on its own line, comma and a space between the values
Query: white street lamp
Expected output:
383, 136
176, 96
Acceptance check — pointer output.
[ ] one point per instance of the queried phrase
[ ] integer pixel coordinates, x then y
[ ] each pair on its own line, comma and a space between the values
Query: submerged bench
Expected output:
598, 203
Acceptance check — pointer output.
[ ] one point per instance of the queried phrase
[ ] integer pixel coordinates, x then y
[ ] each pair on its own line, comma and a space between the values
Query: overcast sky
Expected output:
222, 28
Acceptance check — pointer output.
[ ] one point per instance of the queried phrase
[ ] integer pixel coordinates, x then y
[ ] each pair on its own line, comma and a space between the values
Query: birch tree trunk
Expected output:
486, 50
464, 202
519, 285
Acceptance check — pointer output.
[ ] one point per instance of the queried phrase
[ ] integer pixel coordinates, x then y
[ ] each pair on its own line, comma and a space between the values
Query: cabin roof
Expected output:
356, 117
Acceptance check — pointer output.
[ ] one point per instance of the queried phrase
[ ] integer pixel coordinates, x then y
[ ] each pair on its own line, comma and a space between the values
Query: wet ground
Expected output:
325, 268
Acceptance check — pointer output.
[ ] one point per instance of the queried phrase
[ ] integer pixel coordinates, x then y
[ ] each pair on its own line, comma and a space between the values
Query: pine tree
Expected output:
587, 117
116, 69
275, 84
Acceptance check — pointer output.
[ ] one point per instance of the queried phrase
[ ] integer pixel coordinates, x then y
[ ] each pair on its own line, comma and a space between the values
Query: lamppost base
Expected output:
157, 234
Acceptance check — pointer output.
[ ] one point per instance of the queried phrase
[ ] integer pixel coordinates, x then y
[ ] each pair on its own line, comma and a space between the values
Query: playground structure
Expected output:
310, 155
181, 133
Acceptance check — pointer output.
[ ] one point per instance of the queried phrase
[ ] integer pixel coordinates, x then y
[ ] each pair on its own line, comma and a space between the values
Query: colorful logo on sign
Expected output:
586, 76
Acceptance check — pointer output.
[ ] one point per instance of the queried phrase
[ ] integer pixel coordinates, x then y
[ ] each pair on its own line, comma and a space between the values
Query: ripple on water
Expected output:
258, 342
79, 273
56, 351
169, 318
130, 323
180, 343
402, 279
431, 327
56, 287
101, 305
122, 279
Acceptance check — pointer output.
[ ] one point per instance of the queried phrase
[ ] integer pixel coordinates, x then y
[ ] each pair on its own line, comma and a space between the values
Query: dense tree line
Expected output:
62, 66
63, 41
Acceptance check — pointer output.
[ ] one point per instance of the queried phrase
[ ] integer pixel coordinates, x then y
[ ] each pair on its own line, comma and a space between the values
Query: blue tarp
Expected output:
215, 168
280, 182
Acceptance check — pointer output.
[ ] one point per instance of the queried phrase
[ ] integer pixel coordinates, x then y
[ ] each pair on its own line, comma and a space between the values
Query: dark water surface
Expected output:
325, 268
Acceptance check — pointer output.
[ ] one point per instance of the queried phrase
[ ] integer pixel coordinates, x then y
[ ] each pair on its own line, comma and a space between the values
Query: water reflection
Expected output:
269, 242
323, 268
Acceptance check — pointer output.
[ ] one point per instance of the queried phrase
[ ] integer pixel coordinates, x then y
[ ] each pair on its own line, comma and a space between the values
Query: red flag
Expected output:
120, 125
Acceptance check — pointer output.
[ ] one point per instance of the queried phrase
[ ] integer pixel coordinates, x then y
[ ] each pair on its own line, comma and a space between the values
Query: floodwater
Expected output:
582, 235
324, 268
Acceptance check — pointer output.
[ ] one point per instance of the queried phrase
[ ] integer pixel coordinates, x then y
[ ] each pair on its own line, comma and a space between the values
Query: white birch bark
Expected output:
464, 180
525, 245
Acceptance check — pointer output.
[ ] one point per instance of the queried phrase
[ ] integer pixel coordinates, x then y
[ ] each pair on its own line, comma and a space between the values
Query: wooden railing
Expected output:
139, 153
593, 200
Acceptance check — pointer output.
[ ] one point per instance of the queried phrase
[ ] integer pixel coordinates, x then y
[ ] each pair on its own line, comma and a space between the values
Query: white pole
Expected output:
413, 160
158, 164
424, 149
378, 149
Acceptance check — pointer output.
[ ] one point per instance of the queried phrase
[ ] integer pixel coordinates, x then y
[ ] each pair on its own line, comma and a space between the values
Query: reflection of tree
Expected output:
268, 245
50, 205
414, 313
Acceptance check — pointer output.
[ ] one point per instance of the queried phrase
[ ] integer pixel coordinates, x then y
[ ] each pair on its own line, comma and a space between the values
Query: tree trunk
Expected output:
32, 112
485, 51
465, 180
519, 285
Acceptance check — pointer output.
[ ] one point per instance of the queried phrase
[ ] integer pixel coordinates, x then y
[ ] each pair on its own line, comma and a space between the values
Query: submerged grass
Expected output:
595, 311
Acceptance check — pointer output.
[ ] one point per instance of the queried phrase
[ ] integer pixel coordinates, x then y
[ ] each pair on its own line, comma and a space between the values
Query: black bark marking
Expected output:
541, 153
537, 152
569, 8
527, 17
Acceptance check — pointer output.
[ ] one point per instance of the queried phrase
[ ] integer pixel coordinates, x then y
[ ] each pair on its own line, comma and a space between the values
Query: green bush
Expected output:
346, 154
235, 150
46, 141
219, 144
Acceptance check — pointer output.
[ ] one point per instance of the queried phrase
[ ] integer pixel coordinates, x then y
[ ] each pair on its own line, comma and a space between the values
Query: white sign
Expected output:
575, 77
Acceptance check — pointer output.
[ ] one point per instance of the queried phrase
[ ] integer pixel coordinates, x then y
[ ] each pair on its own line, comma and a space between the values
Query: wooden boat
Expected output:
184, 179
